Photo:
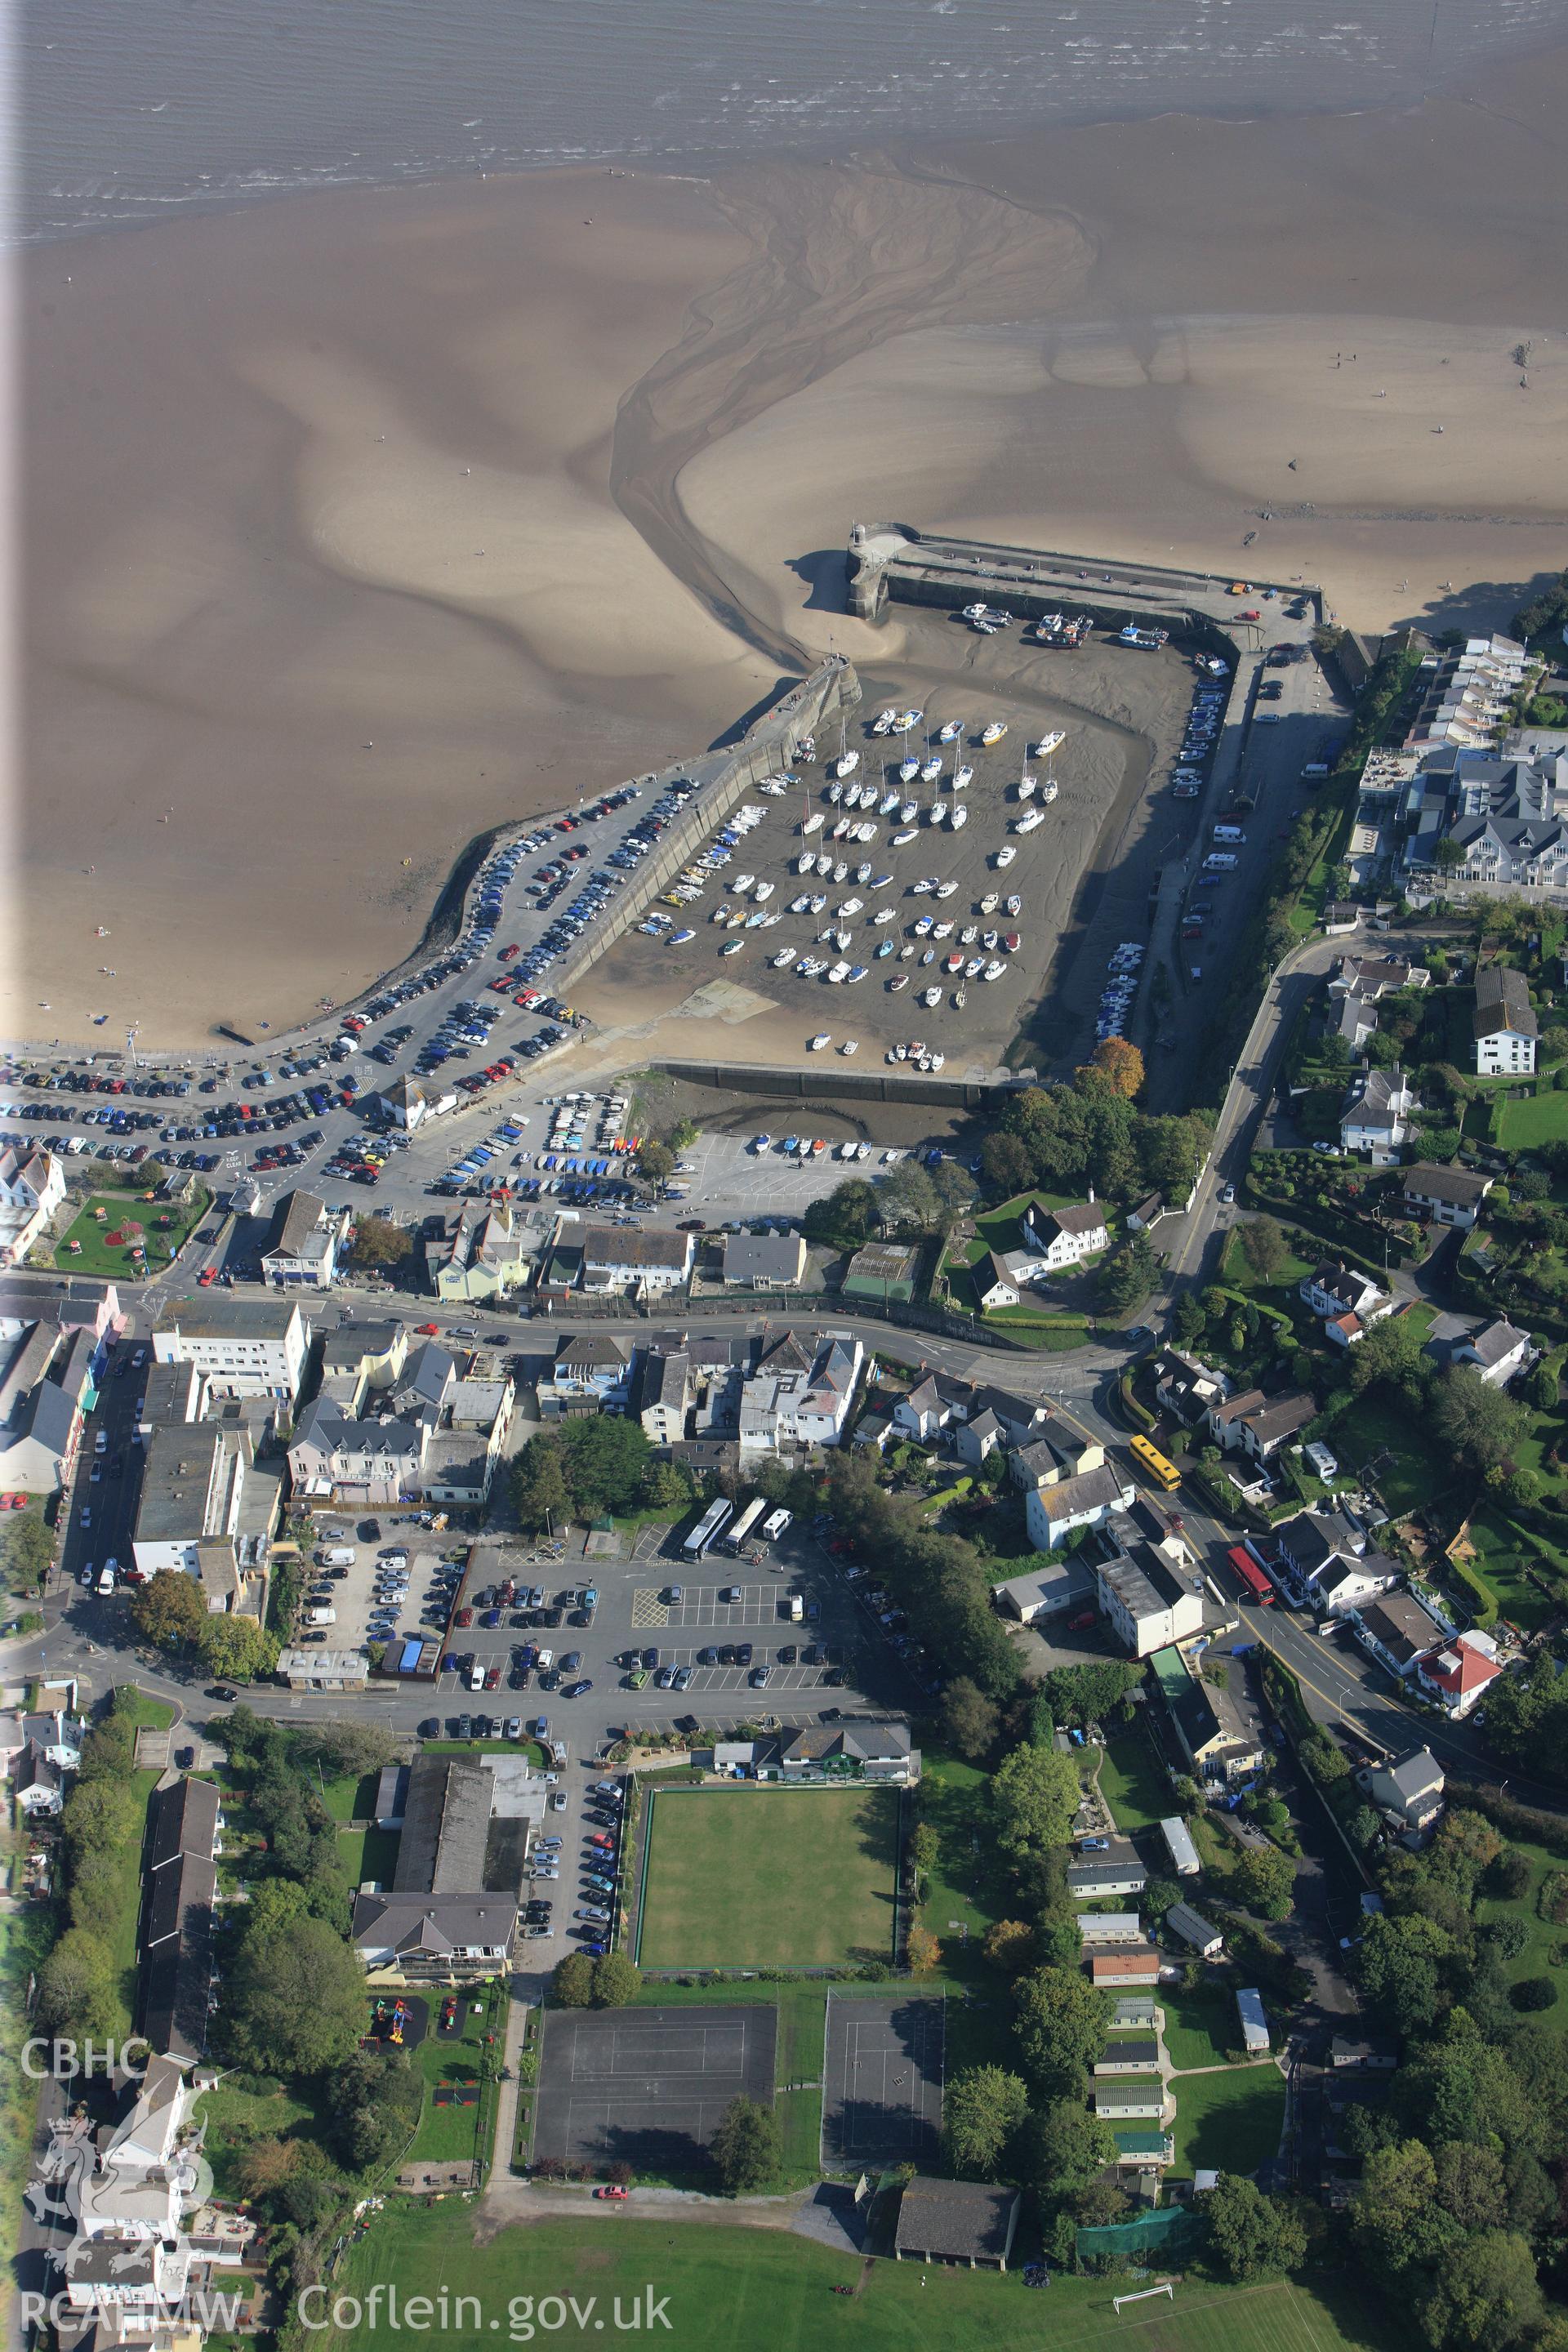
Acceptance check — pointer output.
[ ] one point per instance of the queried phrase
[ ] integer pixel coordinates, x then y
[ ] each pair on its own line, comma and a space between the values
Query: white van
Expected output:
106, 1578
546, 1659
476, 1678
1219, 861
336, 1556
1228, 833
321, 1617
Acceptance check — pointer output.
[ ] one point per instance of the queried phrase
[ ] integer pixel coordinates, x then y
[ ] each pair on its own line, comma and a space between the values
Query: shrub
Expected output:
1552, 1900
1533, 1992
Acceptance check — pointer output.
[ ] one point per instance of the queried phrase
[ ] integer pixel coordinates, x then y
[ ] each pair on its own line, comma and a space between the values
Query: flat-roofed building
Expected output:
242, 1346
1178, 1845
1253, 2020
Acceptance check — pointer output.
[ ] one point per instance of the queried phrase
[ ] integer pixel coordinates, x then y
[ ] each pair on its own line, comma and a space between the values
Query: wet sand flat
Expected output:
365, 521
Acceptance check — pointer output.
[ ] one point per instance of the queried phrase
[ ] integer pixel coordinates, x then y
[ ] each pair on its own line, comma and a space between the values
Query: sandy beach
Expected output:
360, 522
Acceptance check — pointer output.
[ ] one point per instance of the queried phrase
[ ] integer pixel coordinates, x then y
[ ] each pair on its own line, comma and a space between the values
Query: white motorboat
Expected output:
962, 779
959, 1000
820, 1042
888, 803
784, 955
973, 967
994, 969
951, 731
815, 905
886, 914
840, 870
850, 1045
851, 905
939, 1061
931, 996
942, 930
959, 817
991, 941
968, 935
883, 721
1048, 743
1015, 905
988, 904
1027, 823
993, 731
922, 926
946, 889
1006, 854
763, 891
1048, 789
838, 973
900, 980
835, 794
900, 838
863, 873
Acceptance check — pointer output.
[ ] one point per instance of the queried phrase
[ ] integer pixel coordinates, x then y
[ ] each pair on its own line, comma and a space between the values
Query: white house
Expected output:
1447, 1196
593, 1365
1065, 1236
993, 1286
1348, 1301
242, 1346
1458, 1675
1051, 1513
1505, 1026
1149, 1604
620, 1258
32, 1187
303, 1249
1496, 1350
1376, 1112
1258, 1425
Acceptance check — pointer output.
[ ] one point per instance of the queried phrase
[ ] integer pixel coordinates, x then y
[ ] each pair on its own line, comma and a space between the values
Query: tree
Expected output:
237, 1649
26, 1553
1034, 1796
666, 1485
1391, 1352
1448, 854
616, 1980
1395, 2218
607, 1459
982, 2109
684, 1134
1126, 1279
539, 1485
1262, 1882
1475, 1424
1064, 2146
295, 1997
1249, 2236
267, 2164
924, 1847
924, 1952
746, 2147
347, 1747
1470, 2182
843, 1218
970, 1722
656, 1162
1484, 2295
1402, 1965
907, 1199
572, 1986
1090, 1693
170, 1610
1010, 1946
378, 1241
1122, 1063
1061, 2028
1264, 1245
373, 2101
79, 1997
1188, 1319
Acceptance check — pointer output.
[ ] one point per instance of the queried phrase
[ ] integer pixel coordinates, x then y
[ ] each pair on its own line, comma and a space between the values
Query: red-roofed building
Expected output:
1457, 1675
1140, 1966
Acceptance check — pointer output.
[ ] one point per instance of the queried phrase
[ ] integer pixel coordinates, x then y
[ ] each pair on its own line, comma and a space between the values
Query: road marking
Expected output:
647, 1609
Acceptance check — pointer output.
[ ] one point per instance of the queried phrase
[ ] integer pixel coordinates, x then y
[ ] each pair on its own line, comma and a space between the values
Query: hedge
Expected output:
1482, 1599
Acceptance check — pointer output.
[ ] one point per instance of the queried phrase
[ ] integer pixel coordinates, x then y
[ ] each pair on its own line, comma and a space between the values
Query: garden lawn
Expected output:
1372, 1424
95, 1256
367, 1853
1501, 1551
736, 2290
791, 1877
1231, 2120
448, 2135
1132, 1785
1534, 1959
234, 2118
1195, 2030
1236, 1273
1520, 1126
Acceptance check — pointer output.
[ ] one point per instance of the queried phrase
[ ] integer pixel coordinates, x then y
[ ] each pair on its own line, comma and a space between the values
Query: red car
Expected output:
508, 953
614, 2194
464, 1617
208, 1277
493, 1678
1083, 1620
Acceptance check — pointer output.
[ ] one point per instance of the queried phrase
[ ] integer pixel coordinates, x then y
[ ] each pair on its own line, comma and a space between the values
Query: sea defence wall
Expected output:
892, 563
831, 1082
723, 781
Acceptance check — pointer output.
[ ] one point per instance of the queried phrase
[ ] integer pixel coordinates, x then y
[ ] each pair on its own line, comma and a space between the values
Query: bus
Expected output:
744, 1529
707, 1530
1258, 1588
1162, 1471
774, 1525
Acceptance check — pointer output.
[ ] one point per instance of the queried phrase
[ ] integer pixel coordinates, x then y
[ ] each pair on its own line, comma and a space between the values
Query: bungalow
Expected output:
993, 1286
1053, 1513
1178, 1845
1457, 1675
1144, 2151
881, 1751
1341, 915
1194, 1930
1115, 1969
1088, 1881
1129, 2054
1497, 1350
1447, 1196
765, 1261
1253, 2020
1110, 1927
956, 2222
1375, 1115
1129, 2103
1046, 1592
1398, 1630
1362, 2053
1504, 1025
1136, 2010
1409, 1789
1065, 1236
420, 1937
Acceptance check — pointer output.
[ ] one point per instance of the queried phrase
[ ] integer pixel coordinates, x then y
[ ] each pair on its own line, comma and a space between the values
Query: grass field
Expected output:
1532, 1961
1196, 2031
740, 2290
235, 2118
1232, 2120
367, 1853
448, 2133
1502, 1550
1519, 1125
120, 1913
1133, 1786
96, 1256
1374, 1426
738, 1877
